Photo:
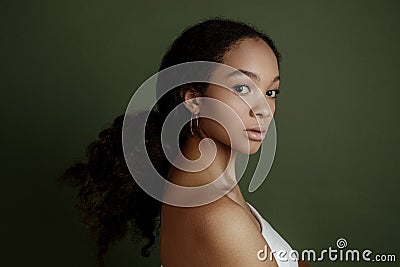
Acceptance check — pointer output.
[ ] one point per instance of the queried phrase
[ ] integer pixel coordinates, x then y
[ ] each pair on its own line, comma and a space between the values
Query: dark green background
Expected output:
70, 67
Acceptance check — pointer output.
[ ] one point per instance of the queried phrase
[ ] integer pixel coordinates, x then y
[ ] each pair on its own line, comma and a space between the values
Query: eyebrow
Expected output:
250, 74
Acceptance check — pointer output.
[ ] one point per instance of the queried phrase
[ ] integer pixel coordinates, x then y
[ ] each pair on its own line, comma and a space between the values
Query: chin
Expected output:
248, 150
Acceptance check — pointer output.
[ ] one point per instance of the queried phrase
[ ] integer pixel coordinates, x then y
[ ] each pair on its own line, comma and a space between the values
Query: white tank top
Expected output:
274, 240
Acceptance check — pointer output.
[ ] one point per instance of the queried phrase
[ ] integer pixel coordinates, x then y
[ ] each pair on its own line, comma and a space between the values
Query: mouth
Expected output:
255, 134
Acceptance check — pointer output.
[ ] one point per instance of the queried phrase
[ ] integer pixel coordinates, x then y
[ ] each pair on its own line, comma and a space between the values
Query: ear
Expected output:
188, 95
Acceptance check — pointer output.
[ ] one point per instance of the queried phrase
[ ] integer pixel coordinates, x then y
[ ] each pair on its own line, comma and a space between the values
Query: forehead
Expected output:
255, 56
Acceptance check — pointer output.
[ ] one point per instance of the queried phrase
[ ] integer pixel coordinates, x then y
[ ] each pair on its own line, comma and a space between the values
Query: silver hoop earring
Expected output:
196, 116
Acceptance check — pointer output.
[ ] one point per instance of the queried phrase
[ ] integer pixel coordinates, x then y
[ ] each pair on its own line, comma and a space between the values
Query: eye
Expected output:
272, 93
242, 89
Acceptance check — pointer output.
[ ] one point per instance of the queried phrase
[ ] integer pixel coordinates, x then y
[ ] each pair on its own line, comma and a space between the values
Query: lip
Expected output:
256, 133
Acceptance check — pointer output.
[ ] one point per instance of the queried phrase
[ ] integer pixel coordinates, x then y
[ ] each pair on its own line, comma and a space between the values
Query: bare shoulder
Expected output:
227, 236
219, 214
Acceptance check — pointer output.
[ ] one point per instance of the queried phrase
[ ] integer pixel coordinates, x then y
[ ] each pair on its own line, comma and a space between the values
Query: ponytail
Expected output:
110, 201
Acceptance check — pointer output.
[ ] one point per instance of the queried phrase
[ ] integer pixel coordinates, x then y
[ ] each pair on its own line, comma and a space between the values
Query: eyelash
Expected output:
240, 85
276, 92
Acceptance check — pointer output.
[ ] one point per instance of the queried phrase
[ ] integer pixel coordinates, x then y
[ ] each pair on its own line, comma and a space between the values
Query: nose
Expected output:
261, 110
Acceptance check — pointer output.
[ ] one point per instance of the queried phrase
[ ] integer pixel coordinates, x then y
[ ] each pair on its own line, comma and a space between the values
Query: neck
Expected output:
223, 164
208, 160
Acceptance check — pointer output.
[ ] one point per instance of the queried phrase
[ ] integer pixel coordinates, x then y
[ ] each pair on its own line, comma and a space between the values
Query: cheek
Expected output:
226, 125
226, 108
224, 115
230, 134
272, 106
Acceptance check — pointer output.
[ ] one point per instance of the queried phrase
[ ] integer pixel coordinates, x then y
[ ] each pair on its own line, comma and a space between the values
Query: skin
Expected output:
192, 236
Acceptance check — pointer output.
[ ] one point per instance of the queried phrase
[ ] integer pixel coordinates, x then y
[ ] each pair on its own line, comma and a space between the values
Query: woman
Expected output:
228, 231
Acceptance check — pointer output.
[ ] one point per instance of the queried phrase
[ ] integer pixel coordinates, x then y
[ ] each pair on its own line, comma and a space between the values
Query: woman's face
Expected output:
250, 94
